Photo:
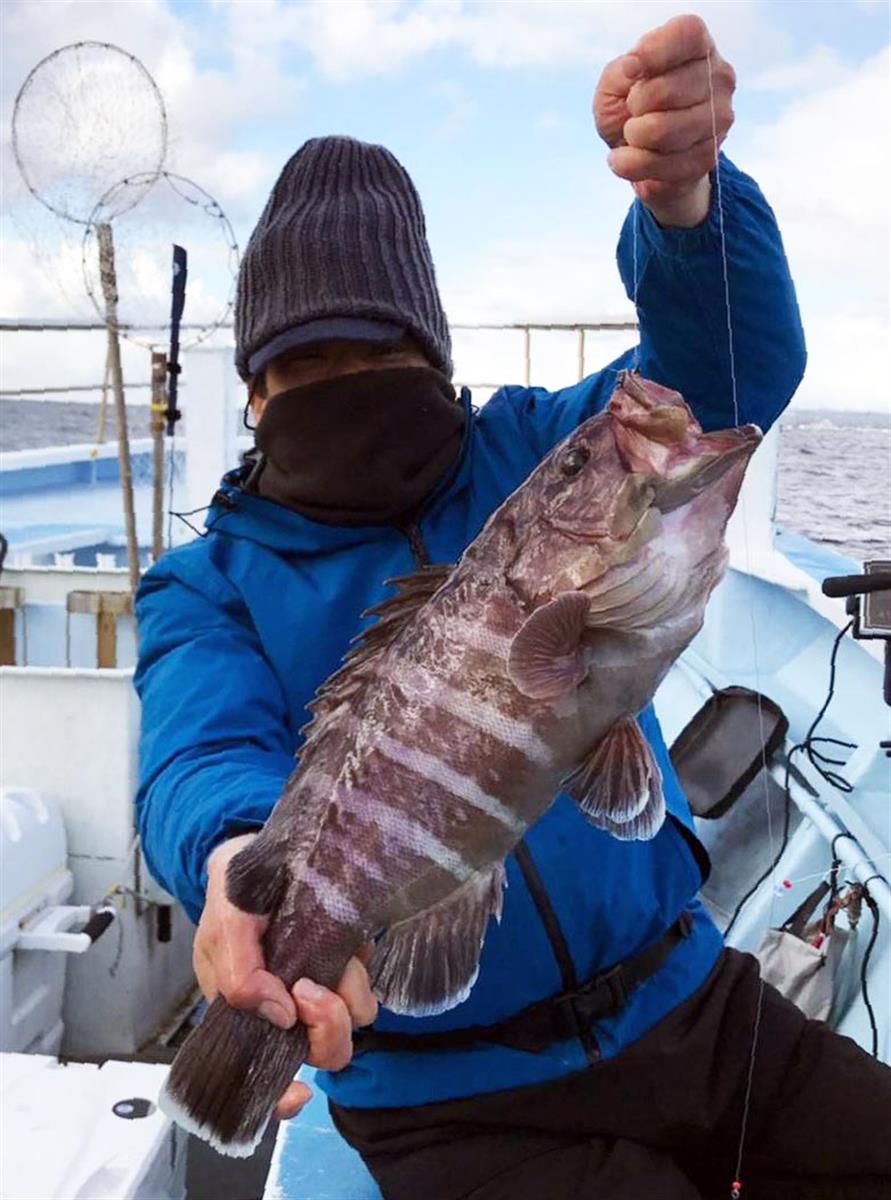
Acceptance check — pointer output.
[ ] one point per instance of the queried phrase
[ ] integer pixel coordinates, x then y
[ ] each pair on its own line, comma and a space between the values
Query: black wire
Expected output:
202, 533
864, 965
845, 833
806, 745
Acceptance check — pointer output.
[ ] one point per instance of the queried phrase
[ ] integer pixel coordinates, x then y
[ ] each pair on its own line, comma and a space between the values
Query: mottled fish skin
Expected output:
428, 758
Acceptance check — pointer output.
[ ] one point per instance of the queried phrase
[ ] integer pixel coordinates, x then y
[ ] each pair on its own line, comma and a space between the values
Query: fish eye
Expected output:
574, 460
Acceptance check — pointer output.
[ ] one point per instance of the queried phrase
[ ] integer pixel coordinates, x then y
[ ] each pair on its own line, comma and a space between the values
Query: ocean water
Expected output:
834, 481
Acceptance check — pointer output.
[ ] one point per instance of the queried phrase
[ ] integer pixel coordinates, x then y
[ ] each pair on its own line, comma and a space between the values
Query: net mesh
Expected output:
174, 210
88, 116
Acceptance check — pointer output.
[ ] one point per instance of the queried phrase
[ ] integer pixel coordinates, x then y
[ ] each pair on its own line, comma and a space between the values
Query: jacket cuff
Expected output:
674, 242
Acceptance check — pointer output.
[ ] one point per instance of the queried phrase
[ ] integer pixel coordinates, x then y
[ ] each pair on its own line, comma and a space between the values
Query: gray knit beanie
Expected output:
342, 236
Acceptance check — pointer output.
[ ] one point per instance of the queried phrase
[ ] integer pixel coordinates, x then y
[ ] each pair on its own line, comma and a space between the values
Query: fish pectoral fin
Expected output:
428, 963
545, 658
619, 785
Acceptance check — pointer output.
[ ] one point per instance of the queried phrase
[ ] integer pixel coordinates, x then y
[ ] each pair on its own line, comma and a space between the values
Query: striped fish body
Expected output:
480, 691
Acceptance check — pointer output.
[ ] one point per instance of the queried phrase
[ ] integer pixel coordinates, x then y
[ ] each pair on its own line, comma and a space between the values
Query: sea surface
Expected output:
834, 467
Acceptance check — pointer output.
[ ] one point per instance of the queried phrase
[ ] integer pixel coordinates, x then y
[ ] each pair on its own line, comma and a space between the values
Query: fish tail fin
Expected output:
229, 1075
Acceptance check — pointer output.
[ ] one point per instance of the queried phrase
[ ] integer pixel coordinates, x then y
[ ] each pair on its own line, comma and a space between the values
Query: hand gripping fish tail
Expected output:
482, 691
229, 1074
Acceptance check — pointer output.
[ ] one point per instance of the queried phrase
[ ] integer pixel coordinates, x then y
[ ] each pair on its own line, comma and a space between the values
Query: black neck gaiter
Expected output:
360, 449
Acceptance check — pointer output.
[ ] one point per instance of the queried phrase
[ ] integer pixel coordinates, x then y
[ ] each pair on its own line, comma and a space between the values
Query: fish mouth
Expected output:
658, 436
719, 461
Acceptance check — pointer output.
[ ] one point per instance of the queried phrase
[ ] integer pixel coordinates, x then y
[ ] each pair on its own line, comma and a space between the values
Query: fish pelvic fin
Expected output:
619, 785
229, 1075
429, 963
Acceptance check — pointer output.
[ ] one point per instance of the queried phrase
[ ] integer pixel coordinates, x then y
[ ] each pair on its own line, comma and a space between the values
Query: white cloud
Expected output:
819, 69
823, 163
207, 106
825, 166
849, 361
352, 38
563, 276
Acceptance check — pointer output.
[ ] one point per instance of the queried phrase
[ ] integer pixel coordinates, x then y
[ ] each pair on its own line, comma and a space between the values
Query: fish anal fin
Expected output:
619, 784
428, 963
545, 658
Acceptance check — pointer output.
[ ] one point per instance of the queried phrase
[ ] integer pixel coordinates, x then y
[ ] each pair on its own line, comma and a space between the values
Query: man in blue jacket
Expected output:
368, 465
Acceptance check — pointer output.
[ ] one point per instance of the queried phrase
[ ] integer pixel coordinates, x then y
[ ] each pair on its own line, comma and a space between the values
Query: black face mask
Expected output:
360, 449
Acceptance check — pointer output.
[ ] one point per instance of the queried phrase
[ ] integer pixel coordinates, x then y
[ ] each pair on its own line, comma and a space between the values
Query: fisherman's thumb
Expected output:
228, 1077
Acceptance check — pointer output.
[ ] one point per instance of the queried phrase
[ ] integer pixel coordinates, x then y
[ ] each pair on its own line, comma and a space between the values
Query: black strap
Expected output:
542, 901
553, 1020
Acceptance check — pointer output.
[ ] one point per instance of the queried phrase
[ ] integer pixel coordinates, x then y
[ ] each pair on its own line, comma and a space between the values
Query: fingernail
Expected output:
611, 160
632, 66
274, 1013
307, 990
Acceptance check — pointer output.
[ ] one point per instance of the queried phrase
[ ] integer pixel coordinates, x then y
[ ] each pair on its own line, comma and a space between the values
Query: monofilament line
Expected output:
635, 209
719, 199
720, 207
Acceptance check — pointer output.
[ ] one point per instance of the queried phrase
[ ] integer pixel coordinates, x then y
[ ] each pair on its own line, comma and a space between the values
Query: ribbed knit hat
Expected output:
342, 235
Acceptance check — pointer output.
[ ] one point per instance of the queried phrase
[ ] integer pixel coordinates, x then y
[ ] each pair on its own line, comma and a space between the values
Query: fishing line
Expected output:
635, 209
816, 759
736, 1185
860, 862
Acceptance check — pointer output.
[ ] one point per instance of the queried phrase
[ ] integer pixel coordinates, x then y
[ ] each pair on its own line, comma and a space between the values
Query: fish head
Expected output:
631, 509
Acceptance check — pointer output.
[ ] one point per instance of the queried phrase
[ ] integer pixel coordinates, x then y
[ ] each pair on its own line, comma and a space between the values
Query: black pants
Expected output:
661, 1121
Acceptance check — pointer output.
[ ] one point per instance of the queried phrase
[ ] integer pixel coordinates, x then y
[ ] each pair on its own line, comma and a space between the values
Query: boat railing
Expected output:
67, 616
580, 332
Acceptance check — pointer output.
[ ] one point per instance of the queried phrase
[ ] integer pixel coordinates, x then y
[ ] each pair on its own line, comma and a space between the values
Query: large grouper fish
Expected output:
481, 691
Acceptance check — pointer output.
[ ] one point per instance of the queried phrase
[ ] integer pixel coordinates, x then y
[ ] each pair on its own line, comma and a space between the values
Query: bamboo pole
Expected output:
103, 401
158, 426
110, 293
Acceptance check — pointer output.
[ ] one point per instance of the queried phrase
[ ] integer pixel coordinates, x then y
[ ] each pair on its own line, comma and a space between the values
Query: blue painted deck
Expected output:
313, 1162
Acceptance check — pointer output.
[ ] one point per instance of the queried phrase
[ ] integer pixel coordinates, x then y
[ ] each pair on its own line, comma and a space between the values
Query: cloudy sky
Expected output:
488, 105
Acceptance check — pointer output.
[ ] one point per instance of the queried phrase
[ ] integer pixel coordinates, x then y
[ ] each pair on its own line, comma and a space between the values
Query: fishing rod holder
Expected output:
868, 602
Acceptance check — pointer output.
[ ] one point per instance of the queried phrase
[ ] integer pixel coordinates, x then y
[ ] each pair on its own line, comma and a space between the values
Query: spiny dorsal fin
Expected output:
393, 615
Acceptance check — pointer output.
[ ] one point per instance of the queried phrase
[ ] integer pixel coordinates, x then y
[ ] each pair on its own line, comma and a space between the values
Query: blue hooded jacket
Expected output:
238, 628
